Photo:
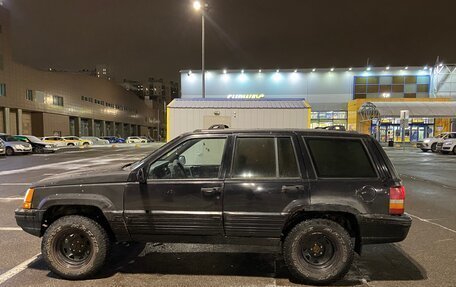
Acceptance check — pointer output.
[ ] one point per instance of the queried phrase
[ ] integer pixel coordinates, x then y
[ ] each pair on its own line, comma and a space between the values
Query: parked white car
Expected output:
136, 140
449, 145
431, 143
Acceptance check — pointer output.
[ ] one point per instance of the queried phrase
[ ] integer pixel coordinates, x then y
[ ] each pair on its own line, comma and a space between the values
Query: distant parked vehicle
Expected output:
14, 146
148, 139
80, 141
38, 146
59, 141
432, 142
95, 140
2, 148
135, 139
448, 145
113, 139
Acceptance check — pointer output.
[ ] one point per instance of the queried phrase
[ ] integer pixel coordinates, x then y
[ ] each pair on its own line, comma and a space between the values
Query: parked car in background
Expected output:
59, 141
292, 190
148, 139
95, 140
14, 146
113, 139
448, 145
38, 146
135, 139
2, 148
432, 142
80, 141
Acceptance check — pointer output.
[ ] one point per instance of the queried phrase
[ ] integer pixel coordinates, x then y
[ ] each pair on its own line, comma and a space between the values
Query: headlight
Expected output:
48, 146
19, 146
426, 140
27, 204
447, 143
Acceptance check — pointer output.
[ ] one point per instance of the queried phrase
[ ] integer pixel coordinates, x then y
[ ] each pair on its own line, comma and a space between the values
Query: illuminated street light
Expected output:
368, 68
350, 68
259, 71
295, 71
313, 70
387, 67
406, 67
332, 70
277, 71
198, 6
224, 71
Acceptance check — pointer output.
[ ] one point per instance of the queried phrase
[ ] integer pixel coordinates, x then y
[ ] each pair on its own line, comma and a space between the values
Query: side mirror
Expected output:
141, 176
182, 160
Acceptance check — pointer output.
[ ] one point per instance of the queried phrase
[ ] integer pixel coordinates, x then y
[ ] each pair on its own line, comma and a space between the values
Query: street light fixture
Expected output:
199, 7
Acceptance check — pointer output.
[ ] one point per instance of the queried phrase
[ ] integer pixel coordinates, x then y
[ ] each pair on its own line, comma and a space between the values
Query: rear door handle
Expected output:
209, 191
292, 188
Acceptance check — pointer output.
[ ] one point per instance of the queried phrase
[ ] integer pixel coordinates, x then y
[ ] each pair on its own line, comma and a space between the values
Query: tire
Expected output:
70, 144
57, 242
85, 144
424, 150
38, 150
454, 150
9, 151
324, 240
434, 147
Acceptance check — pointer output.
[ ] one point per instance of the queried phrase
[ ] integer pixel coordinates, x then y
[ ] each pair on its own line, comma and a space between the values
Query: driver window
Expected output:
196, 158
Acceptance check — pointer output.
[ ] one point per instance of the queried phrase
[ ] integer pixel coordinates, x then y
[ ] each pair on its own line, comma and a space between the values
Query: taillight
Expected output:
397, 198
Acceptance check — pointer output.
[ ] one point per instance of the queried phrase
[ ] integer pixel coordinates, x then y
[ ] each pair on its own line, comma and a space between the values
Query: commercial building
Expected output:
368, 99
61, 103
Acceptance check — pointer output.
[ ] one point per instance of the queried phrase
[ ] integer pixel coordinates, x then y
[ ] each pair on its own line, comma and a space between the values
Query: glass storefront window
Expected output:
328, 118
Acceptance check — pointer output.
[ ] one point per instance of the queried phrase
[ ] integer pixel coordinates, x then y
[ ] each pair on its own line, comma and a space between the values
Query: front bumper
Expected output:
29, 220
381, 228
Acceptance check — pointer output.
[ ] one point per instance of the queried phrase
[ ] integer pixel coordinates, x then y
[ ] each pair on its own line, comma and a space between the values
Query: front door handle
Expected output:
210, 191
292, 188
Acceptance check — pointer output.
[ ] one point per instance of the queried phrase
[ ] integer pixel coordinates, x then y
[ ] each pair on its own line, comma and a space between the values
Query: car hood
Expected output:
113, 174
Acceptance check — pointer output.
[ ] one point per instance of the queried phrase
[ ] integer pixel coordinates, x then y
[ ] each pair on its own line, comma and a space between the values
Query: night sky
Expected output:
142, 38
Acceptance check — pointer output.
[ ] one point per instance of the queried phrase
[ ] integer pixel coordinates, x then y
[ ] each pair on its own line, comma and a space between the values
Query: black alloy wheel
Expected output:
318, 251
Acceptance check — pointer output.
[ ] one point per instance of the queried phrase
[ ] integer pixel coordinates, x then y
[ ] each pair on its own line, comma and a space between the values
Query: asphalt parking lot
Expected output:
426, 258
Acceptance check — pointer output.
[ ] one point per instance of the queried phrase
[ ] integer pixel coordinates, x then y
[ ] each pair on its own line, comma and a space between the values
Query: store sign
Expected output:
245, 96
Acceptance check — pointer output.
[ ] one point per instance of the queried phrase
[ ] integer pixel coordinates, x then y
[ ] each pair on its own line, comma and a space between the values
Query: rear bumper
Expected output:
29, 220
383, 228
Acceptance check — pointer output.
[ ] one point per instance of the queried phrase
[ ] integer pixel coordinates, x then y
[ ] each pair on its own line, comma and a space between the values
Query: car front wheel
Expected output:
9, 151
318, 251
75, 247
434, 147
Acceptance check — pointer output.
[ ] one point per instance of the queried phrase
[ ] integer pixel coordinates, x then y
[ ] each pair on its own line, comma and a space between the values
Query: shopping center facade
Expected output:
46, 103
341, 96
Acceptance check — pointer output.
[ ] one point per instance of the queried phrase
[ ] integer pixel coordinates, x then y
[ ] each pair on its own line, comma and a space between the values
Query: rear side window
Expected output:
340, 158
265, 158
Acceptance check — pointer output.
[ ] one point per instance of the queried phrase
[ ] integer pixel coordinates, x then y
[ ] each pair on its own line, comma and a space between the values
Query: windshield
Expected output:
8, 138
33, 139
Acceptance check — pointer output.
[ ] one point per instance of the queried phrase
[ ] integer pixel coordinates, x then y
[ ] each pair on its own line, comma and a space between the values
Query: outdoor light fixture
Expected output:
259, 71
332, 70
197, 5
313, 70
441, 65
189, 72
386, 95
277, 71
425, 67
387, 67
350, 68
406, 67
224, 71
242, 71
295, 71
368, 68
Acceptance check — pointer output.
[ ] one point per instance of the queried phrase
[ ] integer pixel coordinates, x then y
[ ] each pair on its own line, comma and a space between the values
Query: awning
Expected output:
238, 104
416, 109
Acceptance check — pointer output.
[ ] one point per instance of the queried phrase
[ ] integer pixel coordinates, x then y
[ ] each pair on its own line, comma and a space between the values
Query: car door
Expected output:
267, 177
183, 194
348, 178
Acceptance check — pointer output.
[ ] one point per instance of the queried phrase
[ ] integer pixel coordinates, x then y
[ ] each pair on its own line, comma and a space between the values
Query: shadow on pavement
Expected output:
387, 262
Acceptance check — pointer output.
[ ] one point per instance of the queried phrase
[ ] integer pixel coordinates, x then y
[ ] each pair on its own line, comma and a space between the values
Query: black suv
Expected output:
316, 195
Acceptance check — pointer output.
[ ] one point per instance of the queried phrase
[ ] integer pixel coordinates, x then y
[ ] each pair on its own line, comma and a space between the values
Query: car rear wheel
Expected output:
434, 147
318, 251
85, 144
75, 247
9, 151
454, 150
424, 150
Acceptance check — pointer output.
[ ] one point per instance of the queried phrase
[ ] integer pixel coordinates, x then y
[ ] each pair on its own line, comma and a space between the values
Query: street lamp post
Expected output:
198, 6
